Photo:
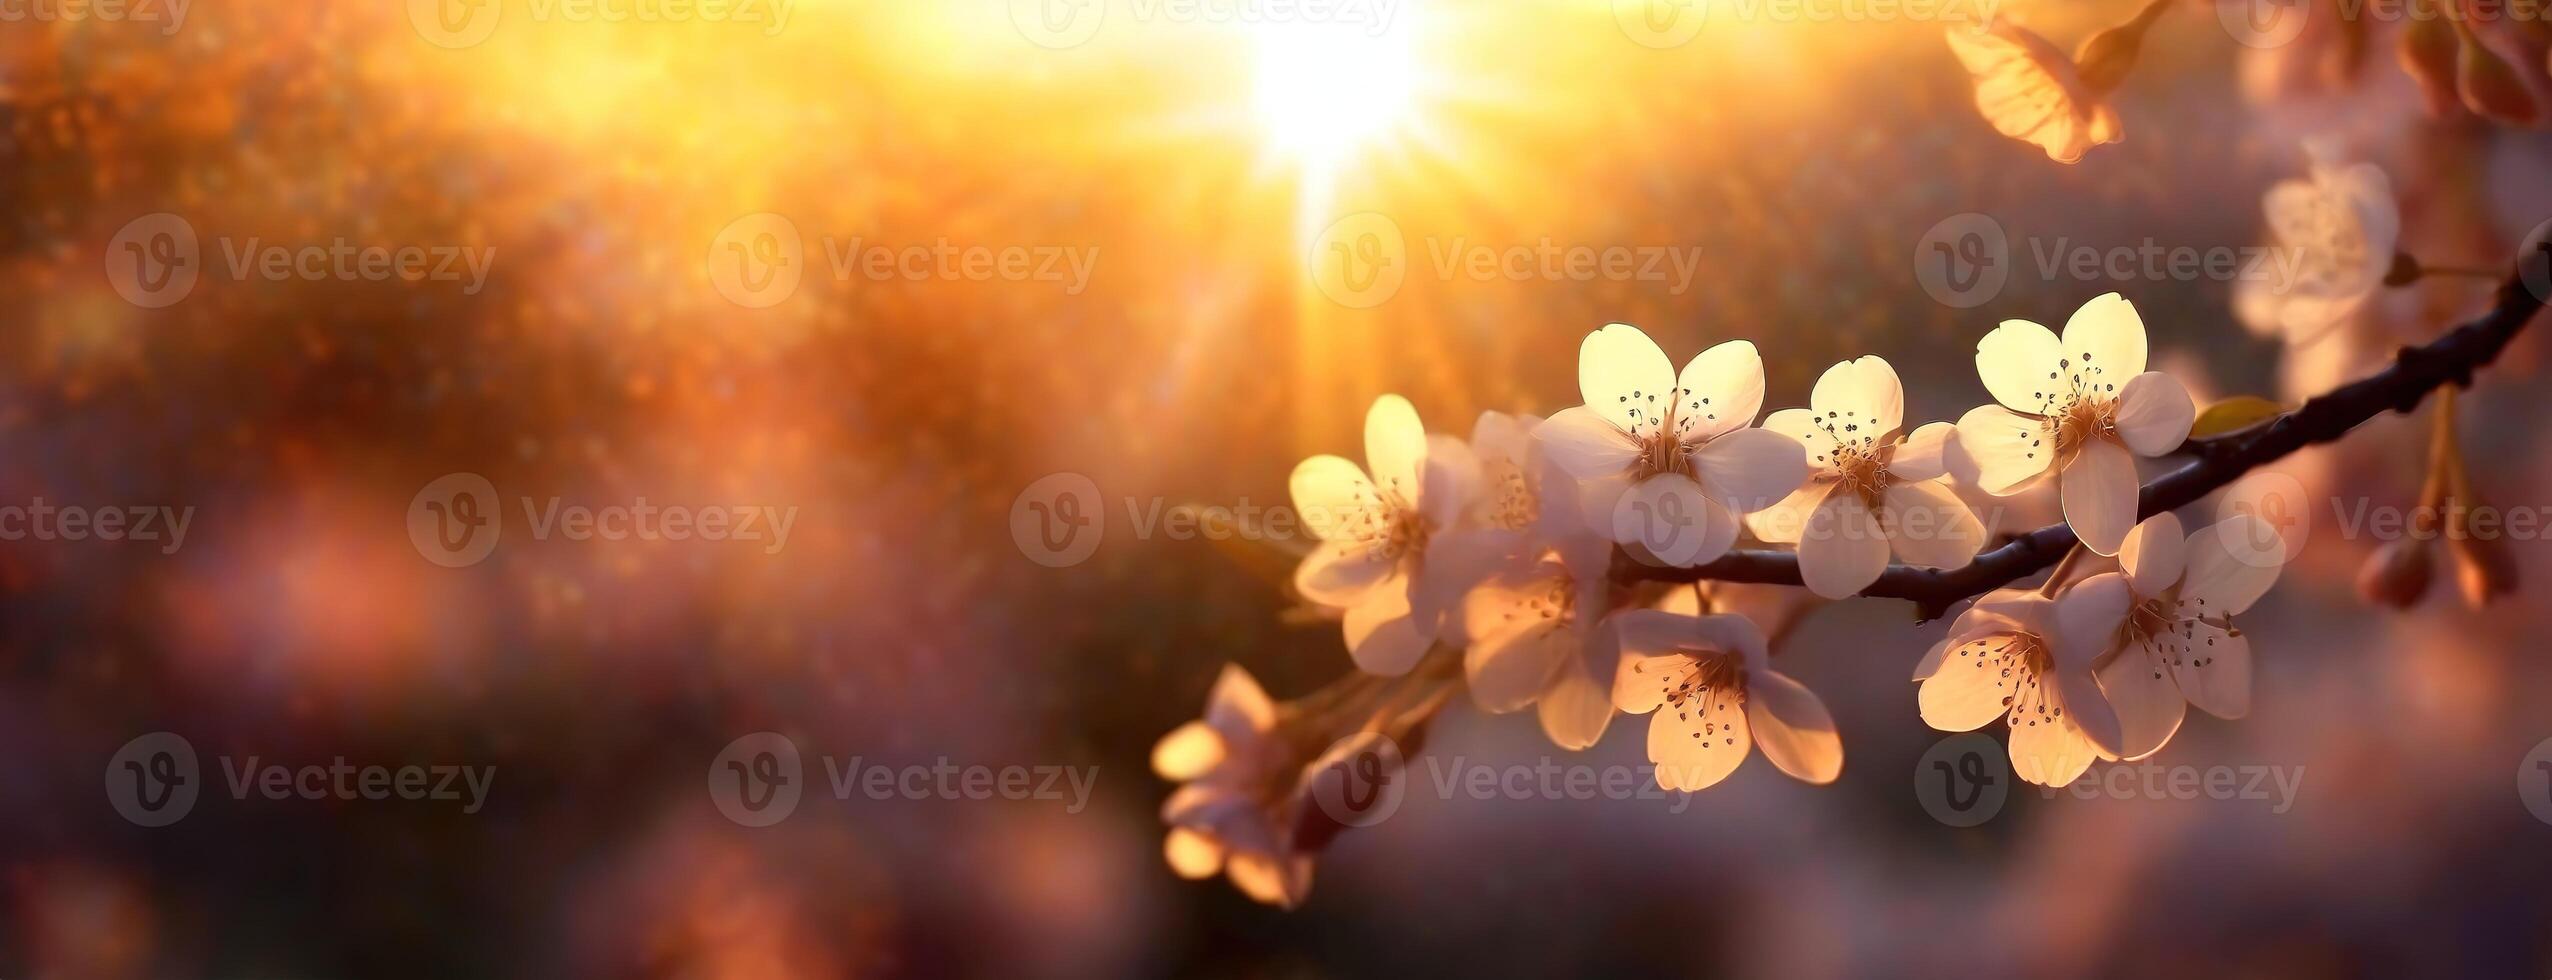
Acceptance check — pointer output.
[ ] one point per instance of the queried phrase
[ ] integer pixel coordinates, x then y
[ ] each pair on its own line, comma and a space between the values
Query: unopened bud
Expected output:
2105, 58
2483, 568
2490, 85
2427, 53
2397, 574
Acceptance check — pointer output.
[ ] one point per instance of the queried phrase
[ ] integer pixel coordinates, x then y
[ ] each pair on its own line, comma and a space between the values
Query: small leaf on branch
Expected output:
2234, 415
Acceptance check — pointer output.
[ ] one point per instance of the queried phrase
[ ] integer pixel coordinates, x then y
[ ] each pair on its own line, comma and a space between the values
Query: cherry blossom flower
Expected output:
1375, 533
2009, 657
1664, 460
2083, 407
1872, 489
2338, 230
2168, 615
1220, 821
1711, 693
1534, 641
2031, 92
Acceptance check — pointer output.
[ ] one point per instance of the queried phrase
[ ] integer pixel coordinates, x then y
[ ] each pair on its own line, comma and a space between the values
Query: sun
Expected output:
1322, 91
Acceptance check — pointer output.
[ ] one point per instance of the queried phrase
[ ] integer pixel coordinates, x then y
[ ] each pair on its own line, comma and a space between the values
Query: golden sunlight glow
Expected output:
1321, 90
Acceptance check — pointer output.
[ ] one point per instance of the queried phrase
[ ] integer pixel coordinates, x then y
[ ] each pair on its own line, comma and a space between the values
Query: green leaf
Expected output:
2234, 415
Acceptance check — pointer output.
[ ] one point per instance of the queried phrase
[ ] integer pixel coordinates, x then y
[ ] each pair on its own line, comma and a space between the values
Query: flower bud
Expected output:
2427, 52
2490, 85
2104, 60
2483, 568
2396, 575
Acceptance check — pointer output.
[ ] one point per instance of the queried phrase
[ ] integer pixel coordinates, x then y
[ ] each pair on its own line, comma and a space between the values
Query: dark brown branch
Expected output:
2414, 373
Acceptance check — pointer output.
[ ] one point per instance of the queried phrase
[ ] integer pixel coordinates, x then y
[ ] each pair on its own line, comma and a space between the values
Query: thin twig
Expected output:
2414, 373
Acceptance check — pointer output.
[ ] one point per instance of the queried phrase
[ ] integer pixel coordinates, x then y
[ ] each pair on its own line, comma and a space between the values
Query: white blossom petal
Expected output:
1396, 450
1451, 478
1192, 854
2154, 554
1924, 453
2215, 672
1722, 391
2148, 701
1865, 389
1237, 706
2002, 451
2018, 363
1748, 470
1642, 682
1625, 378
2088, 615
2231, 564
1340, 574
1793, 728
2099, 491
1844, 549
1927, 524
1333, 497
1698, 743
1508, 668
2154, 413
1578, 705
1972, 684
1785, 521
1187, 752
1383, 637
2104, 344
1585, 444
1800, 424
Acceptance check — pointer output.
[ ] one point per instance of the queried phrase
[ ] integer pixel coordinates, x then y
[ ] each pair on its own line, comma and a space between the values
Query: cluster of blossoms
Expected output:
1494, 559
1497, 562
